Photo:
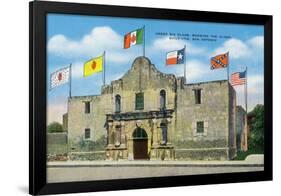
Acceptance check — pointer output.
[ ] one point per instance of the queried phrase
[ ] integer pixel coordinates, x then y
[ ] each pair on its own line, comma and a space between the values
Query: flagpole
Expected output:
246, 91
70, 78
68, 100
143, 40
246, 108
184, 63
228, 67
103, 67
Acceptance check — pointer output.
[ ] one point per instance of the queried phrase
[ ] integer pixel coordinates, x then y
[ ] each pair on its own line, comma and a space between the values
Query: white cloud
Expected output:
235, 47
77, 70
195, 69
256, 42
93, 44
166, 44
240, 49
255, 84
115, 76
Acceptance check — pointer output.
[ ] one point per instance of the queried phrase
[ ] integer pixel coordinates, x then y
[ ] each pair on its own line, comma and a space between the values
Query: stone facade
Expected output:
216, 110
147, 114
241, 127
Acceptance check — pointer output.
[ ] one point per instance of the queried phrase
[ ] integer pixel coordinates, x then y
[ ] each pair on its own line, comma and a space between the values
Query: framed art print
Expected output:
128, 98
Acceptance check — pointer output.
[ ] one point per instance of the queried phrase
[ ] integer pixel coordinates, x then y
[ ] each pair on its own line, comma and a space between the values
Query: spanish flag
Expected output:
94, 65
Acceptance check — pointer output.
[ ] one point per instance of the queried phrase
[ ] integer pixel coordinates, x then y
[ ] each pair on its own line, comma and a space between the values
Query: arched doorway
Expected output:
140, 144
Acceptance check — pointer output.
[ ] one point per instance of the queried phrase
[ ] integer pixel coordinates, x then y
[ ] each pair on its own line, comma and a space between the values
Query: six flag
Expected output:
175, 57
219, 61
60, 77
93, 66
238, 78
133, 38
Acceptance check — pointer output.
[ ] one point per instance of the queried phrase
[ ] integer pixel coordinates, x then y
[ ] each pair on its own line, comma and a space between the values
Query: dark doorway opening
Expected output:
140, 144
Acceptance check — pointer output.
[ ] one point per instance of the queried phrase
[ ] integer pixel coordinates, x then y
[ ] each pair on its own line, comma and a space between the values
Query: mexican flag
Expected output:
133, 38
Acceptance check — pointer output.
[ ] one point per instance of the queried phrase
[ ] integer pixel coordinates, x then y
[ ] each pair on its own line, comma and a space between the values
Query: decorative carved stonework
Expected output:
140, 115
138, 123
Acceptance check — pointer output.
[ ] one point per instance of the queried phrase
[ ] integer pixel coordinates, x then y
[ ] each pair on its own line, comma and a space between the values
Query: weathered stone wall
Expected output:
202, 154
78, 120
241, 135
213, 110
56, 143
142, 77
65, 122
232, 123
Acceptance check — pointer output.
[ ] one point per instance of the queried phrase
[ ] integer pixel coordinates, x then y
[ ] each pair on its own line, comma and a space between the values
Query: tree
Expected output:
54, 127
257, 127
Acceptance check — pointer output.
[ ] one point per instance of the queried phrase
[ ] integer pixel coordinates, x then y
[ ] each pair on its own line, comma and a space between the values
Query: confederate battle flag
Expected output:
219, 61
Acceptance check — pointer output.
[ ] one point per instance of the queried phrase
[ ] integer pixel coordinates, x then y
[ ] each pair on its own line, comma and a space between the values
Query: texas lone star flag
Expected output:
133, 38
93, 66
175, 57
60, 77
219, 61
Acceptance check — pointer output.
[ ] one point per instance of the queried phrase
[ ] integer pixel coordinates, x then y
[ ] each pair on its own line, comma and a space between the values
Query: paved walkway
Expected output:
101, 170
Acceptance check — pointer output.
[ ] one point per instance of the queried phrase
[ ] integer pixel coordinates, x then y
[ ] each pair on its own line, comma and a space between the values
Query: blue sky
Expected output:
75, 39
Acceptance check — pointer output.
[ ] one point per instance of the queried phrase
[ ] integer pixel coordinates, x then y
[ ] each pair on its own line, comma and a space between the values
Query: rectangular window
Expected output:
139, 101
197, 95
87, 133
200, 127
87, 107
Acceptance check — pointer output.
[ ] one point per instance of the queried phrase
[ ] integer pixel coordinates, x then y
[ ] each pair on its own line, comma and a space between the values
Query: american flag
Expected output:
238, 78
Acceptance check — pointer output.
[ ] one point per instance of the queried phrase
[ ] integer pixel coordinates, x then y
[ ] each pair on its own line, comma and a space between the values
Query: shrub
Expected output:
54, 127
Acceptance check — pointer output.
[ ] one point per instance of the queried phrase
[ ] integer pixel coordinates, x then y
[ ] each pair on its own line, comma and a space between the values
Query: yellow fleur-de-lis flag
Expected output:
94, 65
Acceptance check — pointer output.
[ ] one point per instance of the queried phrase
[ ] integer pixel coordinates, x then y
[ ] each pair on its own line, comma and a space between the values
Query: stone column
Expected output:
110, 135
123, 136
169, 131
154, 133
116, 134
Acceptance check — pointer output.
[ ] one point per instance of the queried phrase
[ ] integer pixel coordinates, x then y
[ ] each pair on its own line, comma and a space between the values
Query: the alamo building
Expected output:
151, 115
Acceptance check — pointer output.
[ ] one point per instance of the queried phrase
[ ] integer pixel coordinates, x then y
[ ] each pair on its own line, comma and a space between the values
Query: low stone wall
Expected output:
86, 156
57, 157
186, 144
201, 154
56, 143
77, 156
87, 145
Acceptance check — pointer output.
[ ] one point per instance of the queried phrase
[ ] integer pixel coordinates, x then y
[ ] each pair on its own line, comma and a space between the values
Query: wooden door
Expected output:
140, 149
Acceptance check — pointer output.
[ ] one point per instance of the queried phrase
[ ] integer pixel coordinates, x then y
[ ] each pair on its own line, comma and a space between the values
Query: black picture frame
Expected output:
37, 97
